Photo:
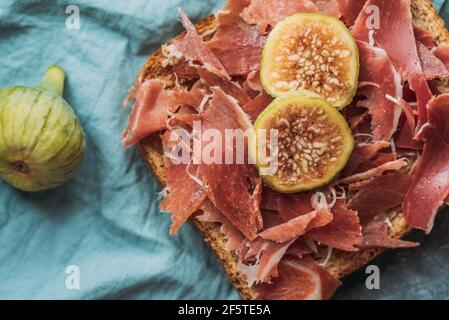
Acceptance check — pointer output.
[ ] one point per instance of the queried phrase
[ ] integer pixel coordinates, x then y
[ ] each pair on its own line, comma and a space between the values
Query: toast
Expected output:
341, 263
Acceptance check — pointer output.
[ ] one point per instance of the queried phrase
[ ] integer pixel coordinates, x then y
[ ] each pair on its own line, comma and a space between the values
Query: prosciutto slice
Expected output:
431, 65
425, 37
350, 10
298, 226
375, 235
259, 260
344, 232
442, 53
266, 13
375, 172
153, 105
240, 200
299, 280
194, 49
431, 175
237, 44
376, 67
379, 195
185, 195
234, 238
397, 38
363, 153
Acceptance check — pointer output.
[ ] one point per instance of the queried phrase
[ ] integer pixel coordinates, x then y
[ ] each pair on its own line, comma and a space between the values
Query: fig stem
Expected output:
53, 80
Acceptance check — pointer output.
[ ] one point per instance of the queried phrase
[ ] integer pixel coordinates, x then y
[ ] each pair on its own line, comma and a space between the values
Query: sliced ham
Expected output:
425, 37
344, 232
259, 260
431, 65
299, 280
237, 44
350, 10
153, 105
194, 49
431, 175
266, 13
377, 68
185, 196
298, 226
234, 238
291, 206
379, 195
329, 7
442, 53
375, 172
363, 153
255, 107
397, 38
375, 235
211, 80
235, 189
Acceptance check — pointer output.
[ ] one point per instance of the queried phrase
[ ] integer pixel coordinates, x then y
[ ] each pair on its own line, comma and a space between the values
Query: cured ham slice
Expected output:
234, 238
431, 175
344, 232
292, 206
153, 105
185, 195
298, 226
431, 65
240, 200
255, 107
379, 195
442, 53
363, 153
375, 172
259, 260
299, 280
375, 235
329, 7
350, 10
237, 44
266, 13
377, 68
229, 87
194, 49
397, 38
425, 37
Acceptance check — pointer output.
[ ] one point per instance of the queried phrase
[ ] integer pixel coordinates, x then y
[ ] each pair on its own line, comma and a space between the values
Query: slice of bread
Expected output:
341, 263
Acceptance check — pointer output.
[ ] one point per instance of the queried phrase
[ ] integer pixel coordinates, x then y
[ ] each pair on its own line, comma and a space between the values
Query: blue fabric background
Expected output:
106, 220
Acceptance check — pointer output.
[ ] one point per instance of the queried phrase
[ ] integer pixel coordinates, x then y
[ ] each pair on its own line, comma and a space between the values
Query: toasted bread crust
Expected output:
341, 263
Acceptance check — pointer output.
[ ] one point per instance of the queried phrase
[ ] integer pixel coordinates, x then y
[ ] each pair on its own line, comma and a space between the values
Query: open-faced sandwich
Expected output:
301, 137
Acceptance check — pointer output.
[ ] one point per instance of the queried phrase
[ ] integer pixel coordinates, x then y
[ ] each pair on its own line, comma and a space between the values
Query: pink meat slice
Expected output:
344, 232
379, 195
237, 44
235, 189
396, 36
298, 226
430, 185
376, 67
300, 279
185, 195
266, 13
234, 238
375, 235
194, 49
431, 65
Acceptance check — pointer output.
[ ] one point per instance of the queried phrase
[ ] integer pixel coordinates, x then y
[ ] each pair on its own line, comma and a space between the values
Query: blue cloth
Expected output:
106, 220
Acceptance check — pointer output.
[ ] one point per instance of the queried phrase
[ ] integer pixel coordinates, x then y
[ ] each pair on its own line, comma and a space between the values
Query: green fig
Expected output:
42, 143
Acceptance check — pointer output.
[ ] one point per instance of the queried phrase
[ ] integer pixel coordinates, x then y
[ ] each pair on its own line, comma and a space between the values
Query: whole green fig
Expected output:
42, 143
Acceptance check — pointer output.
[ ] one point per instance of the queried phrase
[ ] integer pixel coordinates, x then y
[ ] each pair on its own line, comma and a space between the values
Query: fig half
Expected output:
314, 142
314, 52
